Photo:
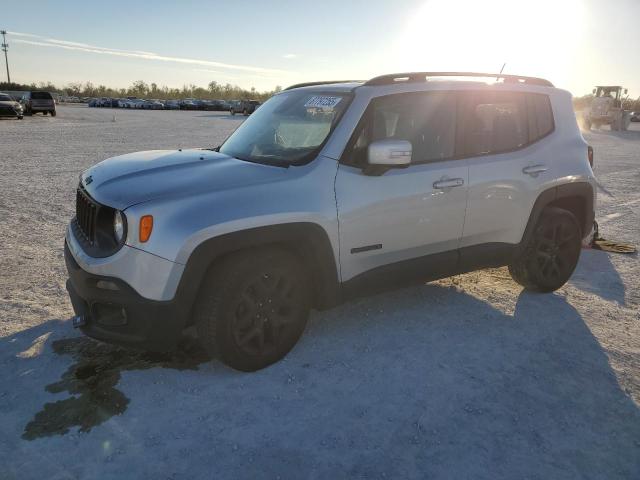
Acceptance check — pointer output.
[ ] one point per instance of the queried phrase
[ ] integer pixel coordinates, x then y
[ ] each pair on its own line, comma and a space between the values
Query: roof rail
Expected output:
326, 82
414, 77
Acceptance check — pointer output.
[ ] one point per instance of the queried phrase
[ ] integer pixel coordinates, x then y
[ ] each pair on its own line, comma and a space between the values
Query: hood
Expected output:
127, 180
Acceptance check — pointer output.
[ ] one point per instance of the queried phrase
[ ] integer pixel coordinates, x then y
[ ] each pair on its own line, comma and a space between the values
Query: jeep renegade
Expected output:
330, 190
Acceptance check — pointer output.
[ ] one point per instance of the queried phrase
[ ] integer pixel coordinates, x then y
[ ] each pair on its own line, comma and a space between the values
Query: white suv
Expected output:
331, 189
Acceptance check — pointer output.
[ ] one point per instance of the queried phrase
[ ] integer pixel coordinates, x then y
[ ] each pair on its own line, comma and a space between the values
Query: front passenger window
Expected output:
427, 120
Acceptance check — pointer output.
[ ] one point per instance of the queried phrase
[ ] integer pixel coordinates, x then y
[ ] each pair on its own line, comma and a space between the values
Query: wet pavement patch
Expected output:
92, 379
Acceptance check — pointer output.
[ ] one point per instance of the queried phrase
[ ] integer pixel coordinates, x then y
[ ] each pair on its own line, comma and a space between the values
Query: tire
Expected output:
53, 113
551, 253
252, 308
233, 112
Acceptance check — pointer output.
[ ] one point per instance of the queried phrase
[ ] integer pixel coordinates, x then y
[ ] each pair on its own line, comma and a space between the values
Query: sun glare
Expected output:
538, 38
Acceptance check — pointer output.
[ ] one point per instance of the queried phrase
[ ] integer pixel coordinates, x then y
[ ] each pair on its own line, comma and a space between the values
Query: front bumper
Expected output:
114, 312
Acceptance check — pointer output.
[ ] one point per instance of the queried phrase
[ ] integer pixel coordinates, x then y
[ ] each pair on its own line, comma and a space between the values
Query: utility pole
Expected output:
5, 47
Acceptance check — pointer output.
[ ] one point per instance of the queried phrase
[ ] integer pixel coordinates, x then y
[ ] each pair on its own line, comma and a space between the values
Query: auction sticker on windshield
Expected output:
322, 101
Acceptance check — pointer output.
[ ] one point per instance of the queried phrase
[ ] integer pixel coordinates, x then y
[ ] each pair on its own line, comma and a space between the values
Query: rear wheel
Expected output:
551, 254
53, 113
253, 308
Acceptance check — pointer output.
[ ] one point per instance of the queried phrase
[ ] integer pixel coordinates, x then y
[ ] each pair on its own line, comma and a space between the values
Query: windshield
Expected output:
5, 98
287, 129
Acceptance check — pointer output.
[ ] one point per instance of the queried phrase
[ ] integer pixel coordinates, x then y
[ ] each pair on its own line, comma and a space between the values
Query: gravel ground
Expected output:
467, 377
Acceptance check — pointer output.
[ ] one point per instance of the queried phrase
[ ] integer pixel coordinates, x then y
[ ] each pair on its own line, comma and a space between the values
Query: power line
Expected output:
5, 47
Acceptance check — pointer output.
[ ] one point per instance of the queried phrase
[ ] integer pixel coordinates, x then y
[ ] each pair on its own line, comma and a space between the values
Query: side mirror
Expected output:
389, 153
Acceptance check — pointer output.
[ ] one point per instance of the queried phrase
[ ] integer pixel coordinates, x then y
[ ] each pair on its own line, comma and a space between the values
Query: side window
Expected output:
540, 116
494, 122
427, 120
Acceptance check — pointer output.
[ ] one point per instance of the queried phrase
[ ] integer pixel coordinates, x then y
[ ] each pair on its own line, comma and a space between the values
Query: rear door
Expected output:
509, 163
408, 213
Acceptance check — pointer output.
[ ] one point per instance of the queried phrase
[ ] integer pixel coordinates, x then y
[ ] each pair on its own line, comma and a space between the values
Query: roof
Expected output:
418, 77
337, 85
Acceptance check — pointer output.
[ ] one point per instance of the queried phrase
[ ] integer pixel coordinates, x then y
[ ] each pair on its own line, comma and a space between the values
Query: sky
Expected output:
574, 43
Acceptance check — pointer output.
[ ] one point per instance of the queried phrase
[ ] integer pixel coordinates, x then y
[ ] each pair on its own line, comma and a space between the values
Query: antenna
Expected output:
503, 65
5, 47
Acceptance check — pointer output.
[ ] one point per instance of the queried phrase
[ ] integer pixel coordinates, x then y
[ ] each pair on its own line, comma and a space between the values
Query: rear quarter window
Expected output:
540, 116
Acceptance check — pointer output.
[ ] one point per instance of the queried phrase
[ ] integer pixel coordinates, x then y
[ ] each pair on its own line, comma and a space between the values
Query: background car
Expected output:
9, 107
246, 107
34, 102
635, 116
172, 105
152, 105
217, 105
188, 104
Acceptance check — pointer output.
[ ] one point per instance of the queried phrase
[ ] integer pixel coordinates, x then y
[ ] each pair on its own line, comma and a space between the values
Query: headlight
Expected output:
118, 226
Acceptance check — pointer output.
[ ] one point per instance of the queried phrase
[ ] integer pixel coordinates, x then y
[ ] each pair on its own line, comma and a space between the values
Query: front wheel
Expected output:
551, 253
253, 308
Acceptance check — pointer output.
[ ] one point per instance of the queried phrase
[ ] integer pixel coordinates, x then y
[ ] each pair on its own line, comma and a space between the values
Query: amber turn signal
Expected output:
146, 226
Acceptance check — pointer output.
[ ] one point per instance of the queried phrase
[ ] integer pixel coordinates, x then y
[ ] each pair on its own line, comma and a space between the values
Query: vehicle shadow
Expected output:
596, 274
425, 382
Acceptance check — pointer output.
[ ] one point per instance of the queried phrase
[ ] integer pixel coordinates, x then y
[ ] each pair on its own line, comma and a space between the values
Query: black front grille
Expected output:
86, 215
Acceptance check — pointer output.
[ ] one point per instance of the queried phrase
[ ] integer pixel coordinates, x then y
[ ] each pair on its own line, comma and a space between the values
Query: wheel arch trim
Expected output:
582, 190
309, 241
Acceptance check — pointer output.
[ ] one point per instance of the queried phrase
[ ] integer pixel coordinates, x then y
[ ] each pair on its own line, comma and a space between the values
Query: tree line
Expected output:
227, 91
141, 89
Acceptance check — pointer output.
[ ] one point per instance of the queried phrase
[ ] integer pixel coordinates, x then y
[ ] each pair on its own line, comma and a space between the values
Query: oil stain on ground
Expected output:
92, 383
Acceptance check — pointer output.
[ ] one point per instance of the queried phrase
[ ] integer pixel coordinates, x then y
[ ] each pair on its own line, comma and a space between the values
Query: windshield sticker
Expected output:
322, 101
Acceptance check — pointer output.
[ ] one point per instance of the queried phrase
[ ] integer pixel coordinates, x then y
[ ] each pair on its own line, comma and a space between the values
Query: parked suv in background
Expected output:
327, 192
34, 102
246, 107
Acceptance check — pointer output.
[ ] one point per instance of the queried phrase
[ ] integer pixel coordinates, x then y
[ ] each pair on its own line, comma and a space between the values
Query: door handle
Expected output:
448, 183
534, 170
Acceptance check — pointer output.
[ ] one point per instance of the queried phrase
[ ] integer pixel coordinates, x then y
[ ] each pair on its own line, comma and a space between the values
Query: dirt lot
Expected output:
467, 377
